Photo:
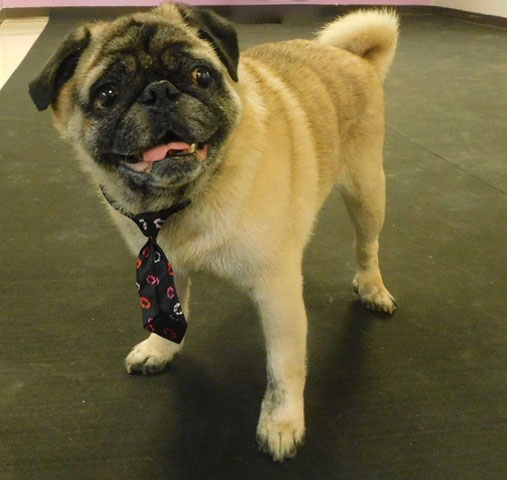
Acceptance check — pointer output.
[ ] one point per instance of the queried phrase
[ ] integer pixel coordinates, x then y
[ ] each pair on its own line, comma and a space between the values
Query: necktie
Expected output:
161, 310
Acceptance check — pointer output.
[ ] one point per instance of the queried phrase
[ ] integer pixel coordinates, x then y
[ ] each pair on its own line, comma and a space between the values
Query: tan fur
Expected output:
371, 34
311, 116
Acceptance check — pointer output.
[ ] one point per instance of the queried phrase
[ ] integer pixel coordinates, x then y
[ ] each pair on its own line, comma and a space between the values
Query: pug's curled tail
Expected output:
371, 34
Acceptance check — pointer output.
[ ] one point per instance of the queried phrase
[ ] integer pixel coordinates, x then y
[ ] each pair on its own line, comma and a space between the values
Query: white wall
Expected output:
488, 7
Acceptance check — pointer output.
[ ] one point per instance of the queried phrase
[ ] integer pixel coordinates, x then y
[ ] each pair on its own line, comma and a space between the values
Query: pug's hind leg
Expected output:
281, 424
364, 193
155, 353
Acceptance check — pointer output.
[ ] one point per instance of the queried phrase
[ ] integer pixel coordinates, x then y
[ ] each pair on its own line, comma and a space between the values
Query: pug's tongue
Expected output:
158, 153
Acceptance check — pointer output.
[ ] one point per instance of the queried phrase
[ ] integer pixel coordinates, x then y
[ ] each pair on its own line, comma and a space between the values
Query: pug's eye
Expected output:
106, 96
201, 76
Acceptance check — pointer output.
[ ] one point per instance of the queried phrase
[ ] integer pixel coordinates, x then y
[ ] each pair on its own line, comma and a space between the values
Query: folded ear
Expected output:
59, 68
219, 32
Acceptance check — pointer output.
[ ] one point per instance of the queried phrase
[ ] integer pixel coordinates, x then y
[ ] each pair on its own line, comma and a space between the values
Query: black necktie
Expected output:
160, 306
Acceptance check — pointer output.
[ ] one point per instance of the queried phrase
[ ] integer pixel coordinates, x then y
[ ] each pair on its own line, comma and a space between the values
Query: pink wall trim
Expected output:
119, 3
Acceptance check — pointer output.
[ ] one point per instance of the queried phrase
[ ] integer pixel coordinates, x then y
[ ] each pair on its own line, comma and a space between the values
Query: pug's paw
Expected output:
279, 435
151, 355
373, 294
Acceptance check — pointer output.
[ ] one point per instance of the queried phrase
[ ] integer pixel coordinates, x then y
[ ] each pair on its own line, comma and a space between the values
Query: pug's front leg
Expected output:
281, 424
155, 353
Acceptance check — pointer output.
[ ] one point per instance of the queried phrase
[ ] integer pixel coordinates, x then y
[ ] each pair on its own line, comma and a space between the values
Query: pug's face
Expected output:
148, 97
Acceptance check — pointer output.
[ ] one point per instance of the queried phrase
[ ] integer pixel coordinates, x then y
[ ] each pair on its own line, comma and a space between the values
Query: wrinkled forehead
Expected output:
144, 39
140, 42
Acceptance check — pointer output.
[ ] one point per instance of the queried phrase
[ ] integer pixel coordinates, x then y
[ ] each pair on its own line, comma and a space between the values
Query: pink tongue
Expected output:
158, 153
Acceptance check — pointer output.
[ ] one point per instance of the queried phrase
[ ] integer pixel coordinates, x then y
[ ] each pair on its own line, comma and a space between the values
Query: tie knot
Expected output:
150, 223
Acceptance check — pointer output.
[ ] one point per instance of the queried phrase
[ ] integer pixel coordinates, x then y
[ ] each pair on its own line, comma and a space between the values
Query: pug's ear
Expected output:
217, 31
59, 68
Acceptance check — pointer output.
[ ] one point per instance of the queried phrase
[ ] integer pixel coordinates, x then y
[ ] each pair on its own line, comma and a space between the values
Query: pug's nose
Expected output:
159, 94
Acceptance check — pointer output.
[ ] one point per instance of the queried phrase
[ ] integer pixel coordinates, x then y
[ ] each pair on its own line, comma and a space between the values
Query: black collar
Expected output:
165, 213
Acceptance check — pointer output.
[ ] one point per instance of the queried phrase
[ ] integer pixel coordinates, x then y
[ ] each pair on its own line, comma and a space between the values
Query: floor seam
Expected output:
477, 24
459, 167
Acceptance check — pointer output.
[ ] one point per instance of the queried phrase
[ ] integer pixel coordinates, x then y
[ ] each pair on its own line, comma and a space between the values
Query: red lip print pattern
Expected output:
145, 303
170, 333
152, 280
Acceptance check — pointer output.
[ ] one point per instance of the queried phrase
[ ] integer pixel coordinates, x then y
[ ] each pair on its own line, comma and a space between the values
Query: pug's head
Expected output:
147, 98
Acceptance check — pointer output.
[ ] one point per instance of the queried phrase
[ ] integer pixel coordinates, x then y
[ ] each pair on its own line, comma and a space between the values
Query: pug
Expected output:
162, 109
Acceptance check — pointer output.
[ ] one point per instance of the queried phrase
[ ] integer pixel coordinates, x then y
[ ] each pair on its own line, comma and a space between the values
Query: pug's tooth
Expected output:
192, 148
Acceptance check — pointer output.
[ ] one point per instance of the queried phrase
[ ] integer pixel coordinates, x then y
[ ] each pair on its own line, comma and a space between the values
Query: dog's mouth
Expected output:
175, 151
